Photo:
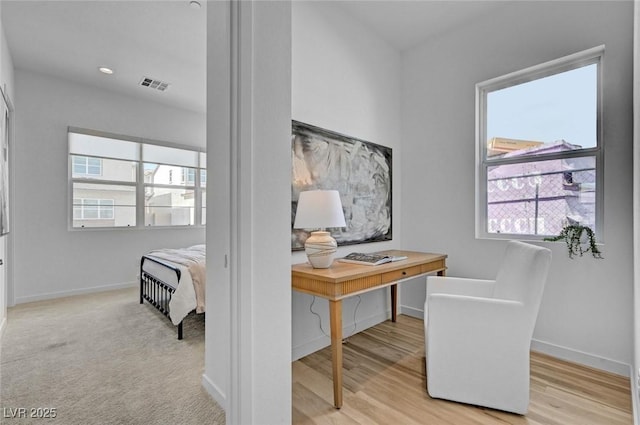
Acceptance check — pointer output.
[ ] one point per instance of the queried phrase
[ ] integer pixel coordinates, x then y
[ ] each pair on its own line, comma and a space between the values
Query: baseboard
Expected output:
309, 347
61, 294
586, 359
214, 391
635, 380
413, 312
321, 342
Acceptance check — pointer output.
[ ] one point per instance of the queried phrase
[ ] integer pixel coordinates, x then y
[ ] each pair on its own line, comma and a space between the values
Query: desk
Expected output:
344, 280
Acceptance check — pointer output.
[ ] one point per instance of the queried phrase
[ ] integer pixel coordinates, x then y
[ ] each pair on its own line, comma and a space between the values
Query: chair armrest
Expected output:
471, 322
460, 286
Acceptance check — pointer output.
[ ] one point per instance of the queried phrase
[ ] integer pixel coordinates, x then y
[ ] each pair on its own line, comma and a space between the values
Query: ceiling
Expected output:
407, 23
161, 39
166, 39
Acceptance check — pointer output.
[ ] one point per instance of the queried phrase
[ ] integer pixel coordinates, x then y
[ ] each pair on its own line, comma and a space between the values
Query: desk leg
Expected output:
394, 302
335, 316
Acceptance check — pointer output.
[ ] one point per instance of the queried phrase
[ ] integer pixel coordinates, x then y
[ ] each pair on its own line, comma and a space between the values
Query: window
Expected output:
189, 176
539, 149
93, 209
83, 165
128, 183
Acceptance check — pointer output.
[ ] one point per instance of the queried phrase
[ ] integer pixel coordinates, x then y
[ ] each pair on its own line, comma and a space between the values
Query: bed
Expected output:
173, 281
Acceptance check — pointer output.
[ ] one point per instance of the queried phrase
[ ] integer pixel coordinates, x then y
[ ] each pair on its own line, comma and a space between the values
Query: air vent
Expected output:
154, 84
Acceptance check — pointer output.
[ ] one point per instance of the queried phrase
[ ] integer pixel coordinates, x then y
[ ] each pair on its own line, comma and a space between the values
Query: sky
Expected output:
561, 106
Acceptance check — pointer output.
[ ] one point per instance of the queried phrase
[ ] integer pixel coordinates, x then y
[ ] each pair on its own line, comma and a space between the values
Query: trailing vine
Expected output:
572, 235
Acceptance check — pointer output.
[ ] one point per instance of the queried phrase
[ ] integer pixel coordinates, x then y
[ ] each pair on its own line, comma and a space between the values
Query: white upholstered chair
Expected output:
478, 332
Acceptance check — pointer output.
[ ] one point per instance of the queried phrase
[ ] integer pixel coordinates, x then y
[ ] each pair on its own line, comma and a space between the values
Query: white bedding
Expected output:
184, 300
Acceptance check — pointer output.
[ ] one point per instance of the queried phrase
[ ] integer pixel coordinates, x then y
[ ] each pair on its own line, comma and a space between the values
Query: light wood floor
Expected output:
384, 383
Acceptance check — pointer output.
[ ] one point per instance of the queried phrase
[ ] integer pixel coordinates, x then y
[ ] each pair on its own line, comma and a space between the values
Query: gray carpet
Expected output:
103, 359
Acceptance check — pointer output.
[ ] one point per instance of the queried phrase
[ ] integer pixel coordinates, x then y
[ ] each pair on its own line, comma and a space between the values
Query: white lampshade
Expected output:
319, 209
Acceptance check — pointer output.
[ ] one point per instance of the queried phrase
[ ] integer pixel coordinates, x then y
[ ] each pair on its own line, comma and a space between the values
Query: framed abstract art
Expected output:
359, 170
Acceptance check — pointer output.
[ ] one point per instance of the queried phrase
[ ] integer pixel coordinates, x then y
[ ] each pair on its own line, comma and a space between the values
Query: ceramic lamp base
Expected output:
321, 249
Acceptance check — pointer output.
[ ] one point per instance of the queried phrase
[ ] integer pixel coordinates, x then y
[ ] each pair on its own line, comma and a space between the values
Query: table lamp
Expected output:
319, 209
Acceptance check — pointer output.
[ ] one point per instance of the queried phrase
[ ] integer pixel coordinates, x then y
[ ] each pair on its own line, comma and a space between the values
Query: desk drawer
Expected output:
434, 266
400, 274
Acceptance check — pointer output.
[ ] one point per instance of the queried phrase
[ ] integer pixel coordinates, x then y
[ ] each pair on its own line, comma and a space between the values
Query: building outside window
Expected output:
189, 176
539, 149
168, 201
93, 209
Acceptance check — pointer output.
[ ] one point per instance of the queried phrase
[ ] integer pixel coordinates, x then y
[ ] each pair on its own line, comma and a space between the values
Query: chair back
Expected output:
522, 276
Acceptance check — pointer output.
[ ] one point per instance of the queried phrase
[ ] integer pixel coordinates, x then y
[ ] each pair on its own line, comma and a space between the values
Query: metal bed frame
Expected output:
157, 292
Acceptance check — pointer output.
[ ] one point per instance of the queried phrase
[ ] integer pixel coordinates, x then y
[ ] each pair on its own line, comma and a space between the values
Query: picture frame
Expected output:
359, 170
5, 132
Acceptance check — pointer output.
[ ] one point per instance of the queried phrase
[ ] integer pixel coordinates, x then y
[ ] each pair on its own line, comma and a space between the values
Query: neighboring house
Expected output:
169, 193
169, 206
97, 206
544, 196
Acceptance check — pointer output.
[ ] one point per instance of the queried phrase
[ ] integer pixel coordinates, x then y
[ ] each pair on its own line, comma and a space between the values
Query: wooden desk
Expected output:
344, 280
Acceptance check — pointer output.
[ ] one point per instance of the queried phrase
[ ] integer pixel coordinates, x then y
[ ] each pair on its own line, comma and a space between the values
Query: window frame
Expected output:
139, 184
483, 163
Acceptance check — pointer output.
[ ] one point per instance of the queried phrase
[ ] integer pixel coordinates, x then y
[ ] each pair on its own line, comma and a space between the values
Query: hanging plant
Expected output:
574, 236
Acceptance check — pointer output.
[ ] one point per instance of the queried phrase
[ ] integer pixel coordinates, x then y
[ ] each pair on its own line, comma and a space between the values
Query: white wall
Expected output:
50, 260
344, 79
586, 312
7, 84
635, 370
248, 330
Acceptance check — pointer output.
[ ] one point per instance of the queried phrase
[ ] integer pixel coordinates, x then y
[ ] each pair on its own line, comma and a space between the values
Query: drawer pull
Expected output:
403, 273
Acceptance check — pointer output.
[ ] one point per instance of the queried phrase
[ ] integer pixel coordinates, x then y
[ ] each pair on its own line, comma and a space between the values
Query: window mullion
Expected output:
140, 198
102, 182
544, 157
197, 205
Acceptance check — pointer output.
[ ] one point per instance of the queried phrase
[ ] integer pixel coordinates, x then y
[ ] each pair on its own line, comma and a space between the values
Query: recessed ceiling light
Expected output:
194, 4
106, 70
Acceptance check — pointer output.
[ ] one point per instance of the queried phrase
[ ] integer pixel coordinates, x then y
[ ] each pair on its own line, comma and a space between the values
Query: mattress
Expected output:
164, 273
183, 301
